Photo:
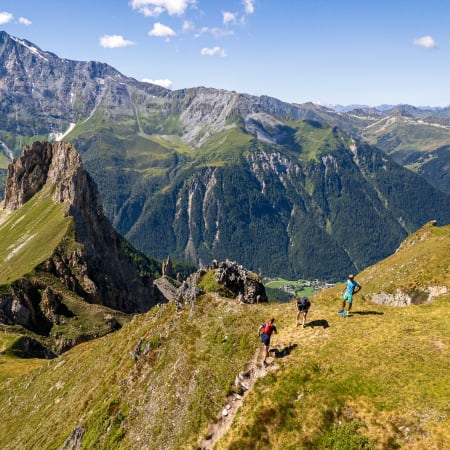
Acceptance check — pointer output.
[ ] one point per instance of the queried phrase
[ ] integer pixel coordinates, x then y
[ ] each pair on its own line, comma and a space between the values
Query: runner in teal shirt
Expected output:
351, 288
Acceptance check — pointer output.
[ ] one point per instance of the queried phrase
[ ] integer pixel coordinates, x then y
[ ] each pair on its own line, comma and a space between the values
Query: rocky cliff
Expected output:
107, 274
228, 279
92, 261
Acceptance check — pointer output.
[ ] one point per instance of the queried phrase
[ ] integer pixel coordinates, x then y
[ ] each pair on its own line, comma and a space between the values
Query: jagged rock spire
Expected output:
105, 272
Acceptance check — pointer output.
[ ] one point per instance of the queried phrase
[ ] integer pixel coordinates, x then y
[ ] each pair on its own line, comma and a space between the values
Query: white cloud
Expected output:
114, 41
249, 6
164, 83
153, 8
188, 26
216, 32
5, 17
228, 17
24, 21
425, 42
161, 30
214, 51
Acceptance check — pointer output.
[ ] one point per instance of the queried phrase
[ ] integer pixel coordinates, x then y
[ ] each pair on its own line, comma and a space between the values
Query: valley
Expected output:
137, 225
201, 173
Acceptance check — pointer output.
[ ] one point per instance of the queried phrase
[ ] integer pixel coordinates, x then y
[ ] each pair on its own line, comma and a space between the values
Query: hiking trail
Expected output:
284, 342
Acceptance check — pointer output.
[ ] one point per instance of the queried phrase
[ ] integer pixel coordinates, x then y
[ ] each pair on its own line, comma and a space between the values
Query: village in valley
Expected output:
294, 288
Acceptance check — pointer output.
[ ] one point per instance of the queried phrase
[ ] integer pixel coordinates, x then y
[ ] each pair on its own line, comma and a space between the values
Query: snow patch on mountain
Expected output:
60, 136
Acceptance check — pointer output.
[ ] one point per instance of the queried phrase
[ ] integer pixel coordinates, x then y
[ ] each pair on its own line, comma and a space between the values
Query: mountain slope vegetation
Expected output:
30, 235
377, 379
201, 173
334, 205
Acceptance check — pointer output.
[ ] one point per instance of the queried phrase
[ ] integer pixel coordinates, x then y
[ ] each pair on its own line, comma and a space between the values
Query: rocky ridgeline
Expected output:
232, 279
99, 268
36, 85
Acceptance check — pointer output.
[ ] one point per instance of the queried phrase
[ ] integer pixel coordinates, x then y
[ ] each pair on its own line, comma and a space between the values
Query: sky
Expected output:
327, 51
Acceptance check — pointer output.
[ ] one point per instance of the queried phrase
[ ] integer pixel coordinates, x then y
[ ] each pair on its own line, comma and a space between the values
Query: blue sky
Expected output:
328, 51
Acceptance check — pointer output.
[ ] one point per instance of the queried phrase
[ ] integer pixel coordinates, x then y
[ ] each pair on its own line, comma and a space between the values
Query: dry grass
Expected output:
378, 379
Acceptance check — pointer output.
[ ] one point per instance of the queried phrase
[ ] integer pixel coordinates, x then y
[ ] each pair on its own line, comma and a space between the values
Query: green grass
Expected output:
10, 366
4, 161
224, 147
209, 282
297, 285
167, 397
385, 370
29, 236
423, 261
314, 138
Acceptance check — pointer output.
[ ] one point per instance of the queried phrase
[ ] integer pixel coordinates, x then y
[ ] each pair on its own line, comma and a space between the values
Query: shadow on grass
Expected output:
283, 352
317, 323
367, 313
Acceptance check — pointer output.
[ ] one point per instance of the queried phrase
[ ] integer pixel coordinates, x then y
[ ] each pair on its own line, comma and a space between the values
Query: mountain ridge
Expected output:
167, 376
83, 260
161, 158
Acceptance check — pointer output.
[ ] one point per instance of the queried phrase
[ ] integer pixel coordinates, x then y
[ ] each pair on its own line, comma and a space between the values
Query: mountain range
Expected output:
202, 174
98, 351
189, 374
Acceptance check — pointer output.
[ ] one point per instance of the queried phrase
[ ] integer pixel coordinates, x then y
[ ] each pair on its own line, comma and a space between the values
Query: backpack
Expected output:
303, 303
268, 328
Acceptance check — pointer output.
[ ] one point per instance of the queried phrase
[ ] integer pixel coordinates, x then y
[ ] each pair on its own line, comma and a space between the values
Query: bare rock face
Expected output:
100, 270
27, 175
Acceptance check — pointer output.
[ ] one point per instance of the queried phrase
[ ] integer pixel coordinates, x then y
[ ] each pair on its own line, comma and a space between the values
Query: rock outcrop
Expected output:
231, 280
99, 267
100, 270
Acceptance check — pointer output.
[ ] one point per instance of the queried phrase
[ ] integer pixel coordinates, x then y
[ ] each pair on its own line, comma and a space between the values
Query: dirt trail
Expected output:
234, 401
284, 343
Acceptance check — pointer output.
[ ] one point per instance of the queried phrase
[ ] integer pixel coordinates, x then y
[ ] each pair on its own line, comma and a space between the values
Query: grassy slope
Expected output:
384, 370
4, 161
11, 366
379, 378
423, 260
167, 398
29, 236
399, 134
386, 367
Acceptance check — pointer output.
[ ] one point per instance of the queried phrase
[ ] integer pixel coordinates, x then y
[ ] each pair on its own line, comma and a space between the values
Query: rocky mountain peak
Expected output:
233, 280
58, 165
101, 270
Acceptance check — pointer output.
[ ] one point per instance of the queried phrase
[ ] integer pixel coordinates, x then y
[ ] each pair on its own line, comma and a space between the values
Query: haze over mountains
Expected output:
203, 174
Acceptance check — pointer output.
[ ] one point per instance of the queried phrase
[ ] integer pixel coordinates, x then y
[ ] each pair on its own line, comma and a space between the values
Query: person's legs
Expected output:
298, 315
304, 317
266, 341
350, 303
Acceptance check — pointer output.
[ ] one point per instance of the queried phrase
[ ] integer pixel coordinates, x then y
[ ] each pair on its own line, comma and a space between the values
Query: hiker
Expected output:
265, 330
303, 305
350, 289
